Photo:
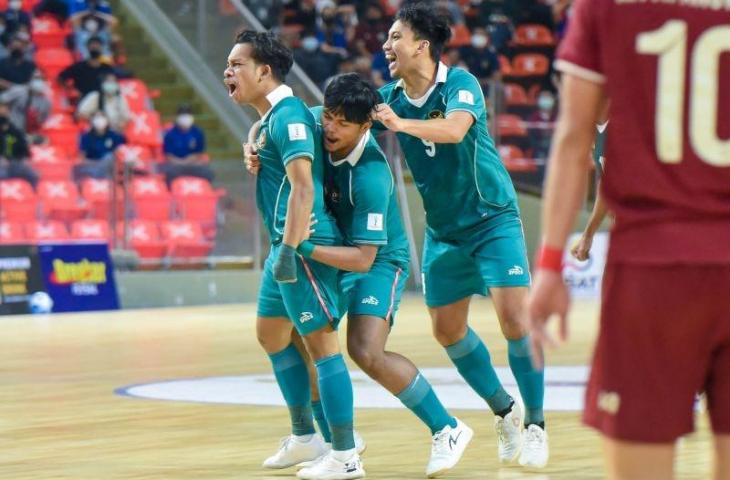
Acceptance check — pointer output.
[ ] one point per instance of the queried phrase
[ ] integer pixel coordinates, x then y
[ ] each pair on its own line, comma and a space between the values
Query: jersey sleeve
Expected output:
292, 133
579, 54
371, 186
464, 94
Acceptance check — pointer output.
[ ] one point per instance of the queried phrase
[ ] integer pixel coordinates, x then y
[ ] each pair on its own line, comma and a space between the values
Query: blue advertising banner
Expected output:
79, 276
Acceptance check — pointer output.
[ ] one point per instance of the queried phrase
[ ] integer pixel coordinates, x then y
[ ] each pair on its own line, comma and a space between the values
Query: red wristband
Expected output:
549, 258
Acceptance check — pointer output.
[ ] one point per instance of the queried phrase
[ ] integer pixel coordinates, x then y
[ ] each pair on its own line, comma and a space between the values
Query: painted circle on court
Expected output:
564, 389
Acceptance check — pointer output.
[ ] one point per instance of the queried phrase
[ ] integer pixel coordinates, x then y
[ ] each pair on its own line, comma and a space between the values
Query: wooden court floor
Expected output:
60, 417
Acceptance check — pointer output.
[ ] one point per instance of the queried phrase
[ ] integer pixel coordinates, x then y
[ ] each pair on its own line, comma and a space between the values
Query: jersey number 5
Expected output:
670, 43
430, 148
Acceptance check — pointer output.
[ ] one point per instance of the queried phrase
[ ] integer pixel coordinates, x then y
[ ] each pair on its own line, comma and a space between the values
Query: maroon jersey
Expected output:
666, 68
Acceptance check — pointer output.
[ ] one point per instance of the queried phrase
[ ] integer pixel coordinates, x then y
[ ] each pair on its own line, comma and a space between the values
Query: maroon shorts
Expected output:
664, 337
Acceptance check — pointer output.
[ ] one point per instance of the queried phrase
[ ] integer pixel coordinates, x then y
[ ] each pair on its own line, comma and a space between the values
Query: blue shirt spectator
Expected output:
180, 142
84, 6
15, 17
98, 145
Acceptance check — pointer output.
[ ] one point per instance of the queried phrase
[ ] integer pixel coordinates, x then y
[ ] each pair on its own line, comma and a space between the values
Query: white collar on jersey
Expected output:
441, 73
353, 157
601, 127
277, 95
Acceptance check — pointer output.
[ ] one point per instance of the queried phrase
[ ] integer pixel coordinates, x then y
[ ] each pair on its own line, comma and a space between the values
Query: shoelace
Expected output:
440, 441
500, 430
533, 436
284, 443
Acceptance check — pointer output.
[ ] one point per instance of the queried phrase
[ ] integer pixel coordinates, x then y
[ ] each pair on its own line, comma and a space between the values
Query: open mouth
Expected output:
330, 140
231, 89
391, 59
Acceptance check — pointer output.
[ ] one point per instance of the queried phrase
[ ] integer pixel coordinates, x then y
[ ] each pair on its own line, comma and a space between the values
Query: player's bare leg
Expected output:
275, 336
366, 339
472, 360
639, 461
722, 457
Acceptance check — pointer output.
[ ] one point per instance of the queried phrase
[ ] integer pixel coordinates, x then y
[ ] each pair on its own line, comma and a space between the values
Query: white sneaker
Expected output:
535, 450
360, 447
330, 468
447, 448
509, 434
293, 450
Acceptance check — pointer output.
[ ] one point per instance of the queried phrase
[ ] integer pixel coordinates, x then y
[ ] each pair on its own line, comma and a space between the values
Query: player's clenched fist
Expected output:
285, 267
385, 115
251, 159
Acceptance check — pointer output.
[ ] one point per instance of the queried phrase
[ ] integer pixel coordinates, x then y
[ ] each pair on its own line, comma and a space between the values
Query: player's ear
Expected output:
423, 46
367, 125
264, 72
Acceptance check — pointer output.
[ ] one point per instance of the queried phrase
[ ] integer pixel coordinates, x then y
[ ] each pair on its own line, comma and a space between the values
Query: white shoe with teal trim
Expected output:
535, 451
509, 434
330, 468
360, 446
447, 447
294, 450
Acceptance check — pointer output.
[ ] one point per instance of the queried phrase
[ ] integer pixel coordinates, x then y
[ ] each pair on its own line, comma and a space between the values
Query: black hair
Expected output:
427, 23
352, 97
266, 49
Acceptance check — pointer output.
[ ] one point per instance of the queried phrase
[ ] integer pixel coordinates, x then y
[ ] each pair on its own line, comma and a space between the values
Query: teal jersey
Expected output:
462, 184
360, 191
599, 147
286, 133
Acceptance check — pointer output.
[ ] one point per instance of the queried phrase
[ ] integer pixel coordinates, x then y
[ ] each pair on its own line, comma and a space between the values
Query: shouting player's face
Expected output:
243, 75
341, 136
402, 48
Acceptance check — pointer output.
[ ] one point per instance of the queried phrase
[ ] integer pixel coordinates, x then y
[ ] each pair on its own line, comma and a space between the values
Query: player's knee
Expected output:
447, 334
369, 359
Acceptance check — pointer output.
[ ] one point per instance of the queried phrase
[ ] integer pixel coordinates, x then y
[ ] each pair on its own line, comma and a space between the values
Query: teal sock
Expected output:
335, 391
293, 379
530, 381
324, 428
472, 360
420, 398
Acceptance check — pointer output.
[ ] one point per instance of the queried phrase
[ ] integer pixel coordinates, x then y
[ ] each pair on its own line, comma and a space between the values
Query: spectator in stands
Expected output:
16, 69
501, 29
301, 13
372, 31
481, 59
108, 99
541, 122
330, 31
98, 146
318, 65
267, 11
14, 150
381, 72
86, 74
15, 17
184, 146
29, 106
4, 39
92, 18
58, 9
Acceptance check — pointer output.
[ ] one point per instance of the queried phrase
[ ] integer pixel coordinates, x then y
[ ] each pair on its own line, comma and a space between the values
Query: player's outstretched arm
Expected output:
564, 192
299, 209
451, 129
582, 249
349, 259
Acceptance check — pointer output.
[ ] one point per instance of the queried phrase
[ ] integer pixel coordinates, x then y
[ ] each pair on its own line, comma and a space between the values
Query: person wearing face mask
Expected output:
109, 100
92, 18
29, 106
184, 146
85, 75
480, 58
330, 32
14, 150
98, 145
16, 69
15, 16
319, 65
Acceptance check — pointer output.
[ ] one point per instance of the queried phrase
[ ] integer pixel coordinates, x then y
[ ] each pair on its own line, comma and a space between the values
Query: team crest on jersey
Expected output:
334, 194
261, 141
436, 114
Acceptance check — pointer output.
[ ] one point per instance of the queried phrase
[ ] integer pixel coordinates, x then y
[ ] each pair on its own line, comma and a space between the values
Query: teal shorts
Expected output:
310, 303
491, 256
375, 293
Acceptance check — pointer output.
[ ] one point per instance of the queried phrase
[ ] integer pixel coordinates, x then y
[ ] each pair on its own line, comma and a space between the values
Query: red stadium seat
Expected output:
460, 36
510, 126
50, 162
196, 200
144, 129
52, 60
60, 200
533, 36
18, 201
515, 95
144, 238
530, 65
505, 67
185, 239
97, 193
47, 33
138, 157
90, 230
136, 93
150, 198
12, 233
62, 132
514, 159
51, 231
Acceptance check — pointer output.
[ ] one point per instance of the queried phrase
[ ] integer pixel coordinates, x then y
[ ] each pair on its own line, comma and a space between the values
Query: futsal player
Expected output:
474, 241
665, 329
295, 292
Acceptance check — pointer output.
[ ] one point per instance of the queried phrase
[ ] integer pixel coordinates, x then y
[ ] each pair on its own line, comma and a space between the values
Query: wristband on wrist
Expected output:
306, 248
549, 258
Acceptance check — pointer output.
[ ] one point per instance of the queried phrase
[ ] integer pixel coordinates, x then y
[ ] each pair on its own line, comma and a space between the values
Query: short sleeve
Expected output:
579, 53
291, 131
371, 187
463, 94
